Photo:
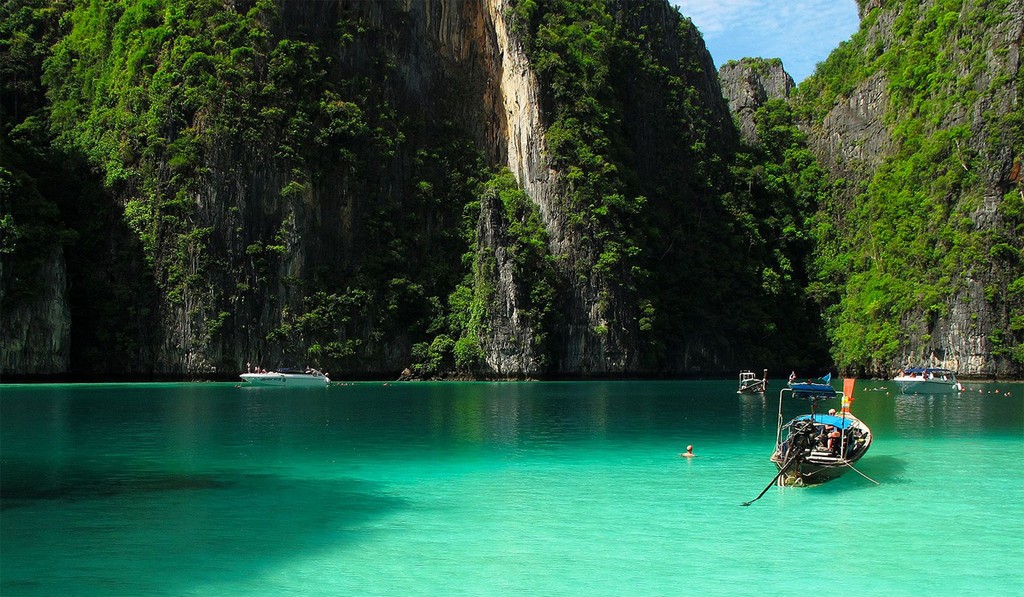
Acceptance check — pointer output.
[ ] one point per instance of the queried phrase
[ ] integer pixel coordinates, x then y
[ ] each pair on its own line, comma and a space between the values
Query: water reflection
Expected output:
918, 413
976, 410
755, 413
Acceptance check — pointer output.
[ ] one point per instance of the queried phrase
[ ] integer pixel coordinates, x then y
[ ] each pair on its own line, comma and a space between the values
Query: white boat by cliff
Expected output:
928, 380
750, 384
287, 378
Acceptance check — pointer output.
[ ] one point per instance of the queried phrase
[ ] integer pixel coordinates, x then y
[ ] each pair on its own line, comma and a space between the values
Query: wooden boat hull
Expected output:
756, 387
807, 472
814, 464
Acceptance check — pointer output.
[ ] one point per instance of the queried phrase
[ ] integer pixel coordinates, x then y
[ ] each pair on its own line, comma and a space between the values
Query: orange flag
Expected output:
848, 383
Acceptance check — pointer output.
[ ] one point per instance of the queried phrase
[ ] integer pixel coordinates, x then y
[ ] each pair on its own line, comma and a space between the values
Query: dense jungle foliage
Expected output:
174, 102
156, 95
51, 198
232, 182
905, 243
706, 240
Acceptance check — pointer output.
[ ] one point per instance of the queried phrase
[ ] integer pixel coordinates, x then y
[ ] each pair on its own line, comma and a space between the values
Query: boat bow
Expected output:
814, 448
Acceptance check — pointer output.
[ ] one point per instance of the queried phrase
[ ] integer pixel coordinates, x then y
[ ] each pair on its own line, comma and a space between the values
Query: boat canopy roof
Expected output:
812, 390
927, 370
840, 422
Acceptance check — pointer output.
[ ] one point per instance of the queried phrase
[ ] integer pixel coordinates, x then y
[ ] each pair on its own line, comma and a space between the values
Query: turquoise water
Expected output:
496, 489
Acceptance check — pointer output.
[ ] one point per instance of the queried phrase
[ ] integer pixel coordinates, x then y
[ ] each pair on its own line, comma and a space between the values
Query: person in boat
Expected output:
821, 440
688, 453
832, 412
833, 440
792, 376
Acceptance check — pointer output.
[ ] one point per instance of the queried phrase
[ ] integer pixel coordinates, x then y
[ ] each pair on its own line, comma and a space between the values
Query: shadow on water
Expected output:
885, 470
17, 492
190, 530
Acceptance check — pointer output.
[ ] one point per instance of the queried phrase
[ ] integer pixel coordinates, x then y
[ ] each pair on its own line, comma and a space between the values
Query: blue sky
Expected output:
800, 32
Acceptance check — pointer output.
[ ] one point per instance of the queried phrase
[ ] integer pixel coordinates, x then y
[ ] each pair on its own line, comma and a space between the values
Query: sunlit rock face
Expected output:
856, 137
748, 84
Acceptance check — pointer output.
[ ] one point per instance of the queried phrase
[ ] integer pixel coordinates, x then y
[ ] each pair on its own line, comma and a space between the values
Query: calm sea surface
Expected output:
497, 489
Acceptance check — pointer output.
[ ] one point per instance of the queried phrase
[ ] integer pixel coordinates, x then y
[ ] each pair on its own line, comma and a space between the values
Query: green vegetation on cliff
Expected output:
30, 223
57, 225
227, 136
290, 183
912, 238
709, 254
283, 197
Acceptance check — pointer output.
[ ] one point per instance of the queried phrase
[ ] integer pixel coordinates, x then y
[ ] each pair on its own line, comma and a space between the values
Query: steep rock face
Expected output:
263, 223
582, 351
747, 84
509, 346
36, 331
865, 6
599, 333
295, 176
868, 126
974, 317
439, 71
853, 139
498, 94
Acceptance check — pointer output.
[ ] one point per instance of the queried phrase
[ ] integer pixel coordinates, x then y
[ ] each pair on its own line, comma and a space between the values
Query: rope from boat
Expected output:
862, 474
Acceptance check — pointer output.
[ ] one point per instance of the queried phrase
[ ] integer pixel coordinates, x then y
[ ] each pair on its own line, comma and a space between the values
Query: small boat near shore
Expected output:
814, 448
751, 384
927, 380
287, 378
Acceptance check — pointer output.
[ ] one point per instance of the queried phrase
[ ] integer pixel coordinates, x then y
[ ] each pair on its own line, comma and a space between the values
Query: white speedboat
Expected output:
928, 380
287, 378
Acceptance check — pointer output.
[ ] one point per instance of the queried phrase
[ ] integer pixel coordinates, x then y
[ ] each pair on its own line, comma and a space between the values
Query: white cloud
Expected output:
800, 32
714, 16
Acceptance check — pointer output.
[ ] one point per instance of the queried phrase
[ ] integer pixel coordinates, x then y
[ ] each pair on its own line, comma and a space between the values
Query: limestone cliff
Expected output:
482, 188
964, 105
456, 61
747, 84
937, 88
36, 329
299, 178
